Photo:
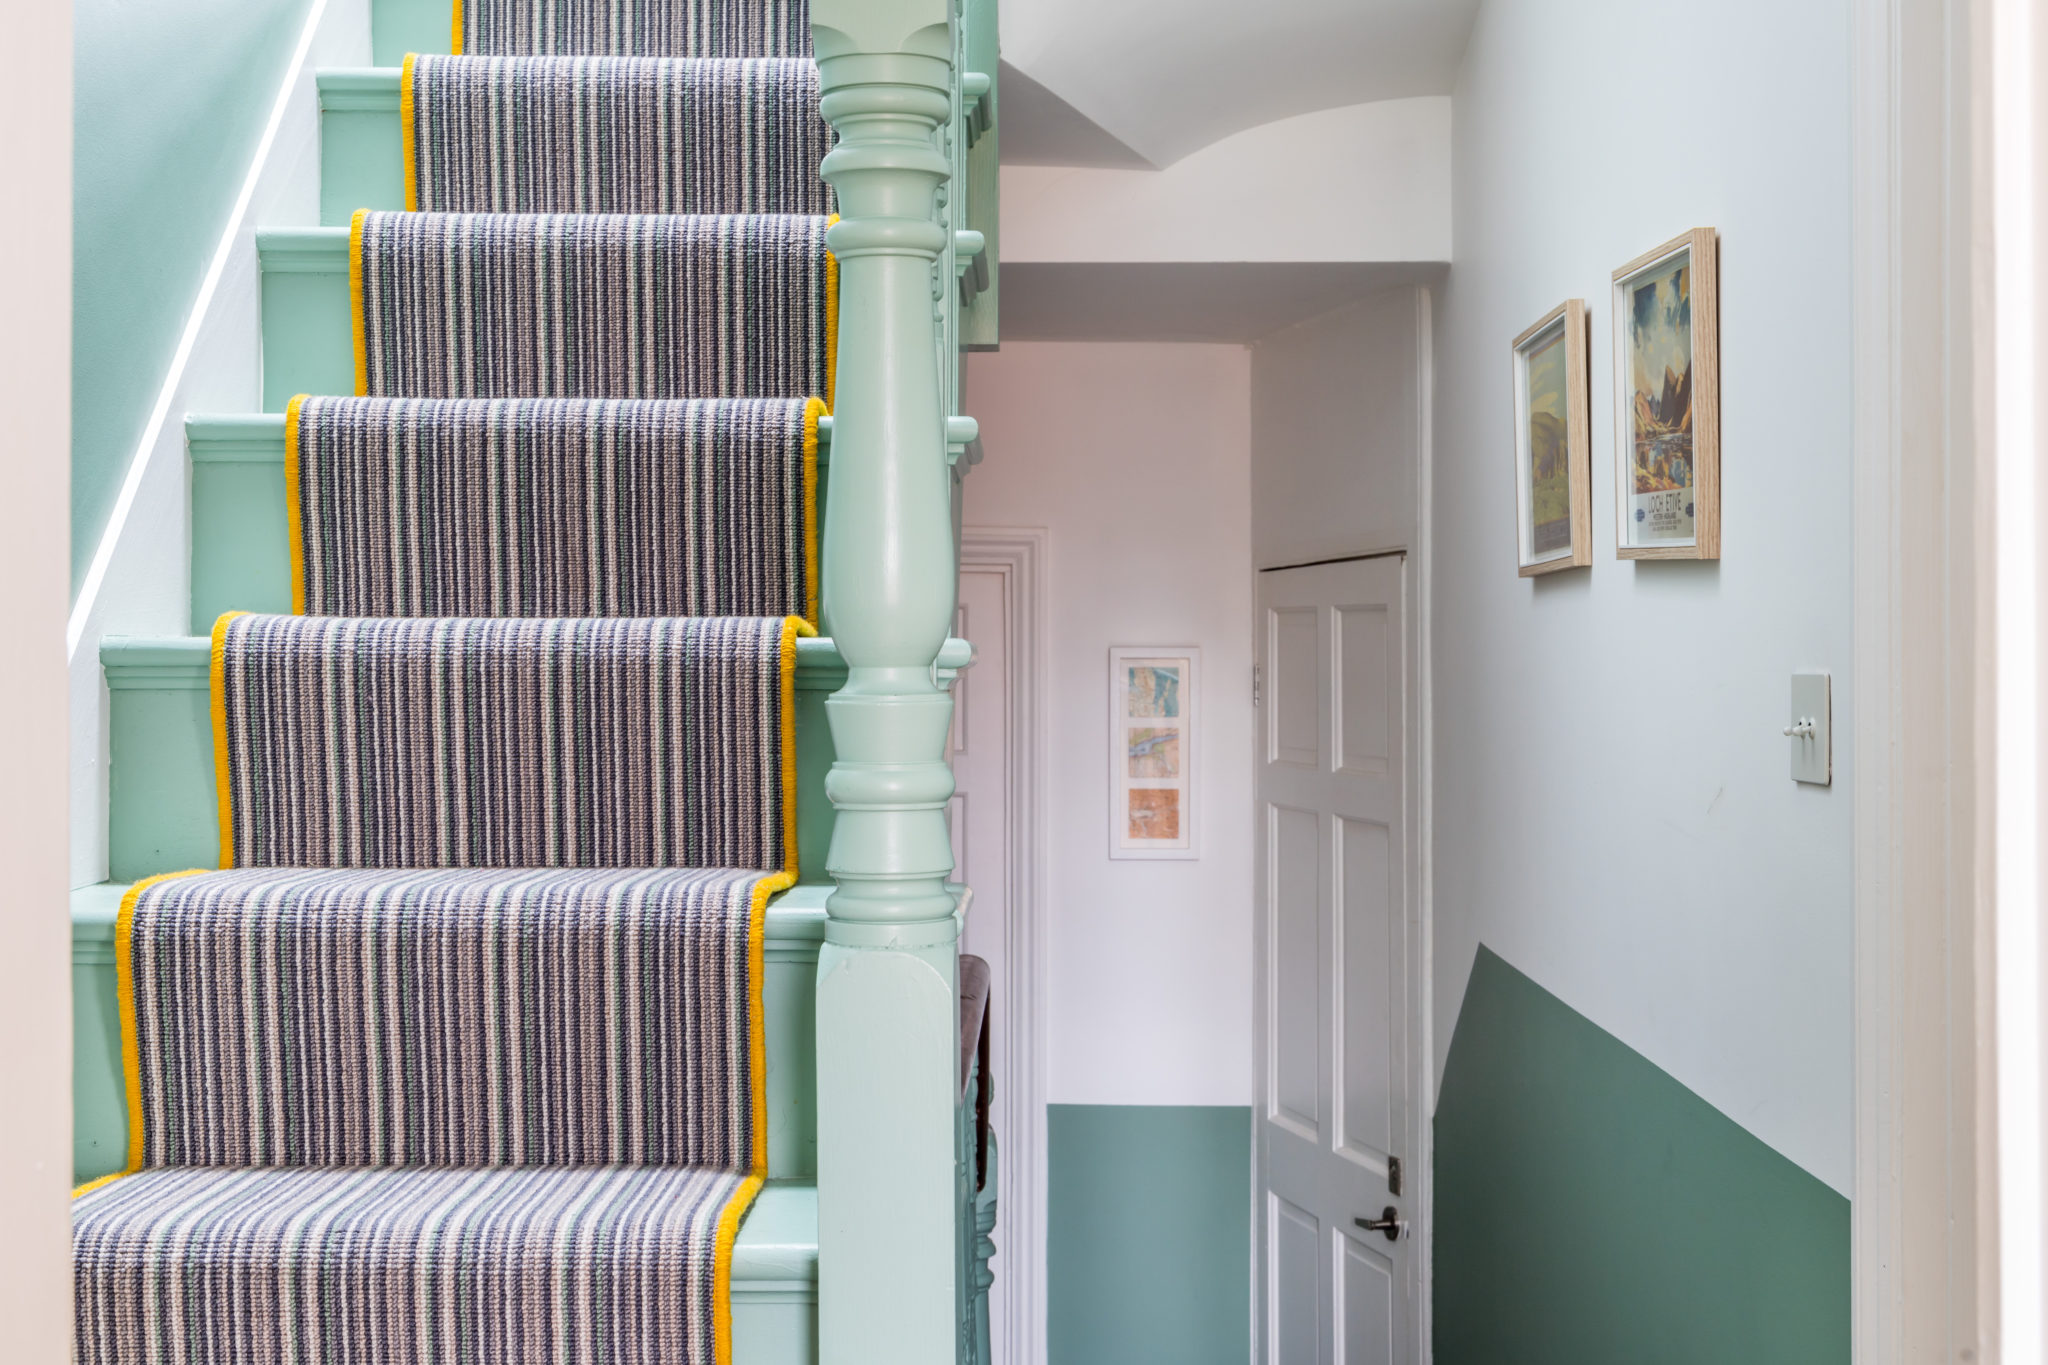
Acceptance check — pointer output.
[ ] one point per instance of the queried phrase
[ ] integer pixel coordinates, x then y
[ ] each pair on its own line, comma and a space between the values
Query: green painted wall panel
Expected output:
169, 102
1148, 1234
1591, 1209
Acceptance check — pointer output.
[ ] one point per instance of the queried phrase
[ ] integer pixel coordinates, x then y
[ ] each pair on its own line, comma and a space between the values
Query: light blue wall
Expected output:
1613, 808
1148, 1243
171, 98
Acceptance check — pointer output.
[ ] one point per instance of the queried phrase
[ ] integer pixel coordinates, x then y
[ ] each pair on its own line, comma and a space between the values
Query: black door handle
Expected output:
1389, 1222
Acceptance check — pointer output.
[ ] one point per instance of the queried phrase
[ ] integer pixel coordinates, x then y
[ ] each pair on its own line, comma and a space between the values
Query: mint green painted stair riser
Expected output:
1589, 1208
308, 335
362, 165
1148, 1234
401, 26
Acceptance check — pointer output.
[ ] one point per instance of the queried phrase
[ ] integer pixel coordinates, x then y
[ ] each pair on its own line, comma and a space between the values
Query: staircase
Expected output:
564, 712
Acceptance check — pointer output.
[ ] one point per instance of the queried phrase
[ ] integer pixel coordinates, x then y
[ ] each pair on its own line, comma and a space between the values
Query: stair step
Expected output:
241, 555
795, 927
308, 316
163, 813
362, 141
371, 1239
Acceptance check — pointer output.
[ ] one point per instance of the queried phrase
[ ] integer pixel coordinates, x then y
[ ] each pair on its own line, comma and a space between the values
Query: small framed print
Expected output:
1553, 463
1153, 696
1667, 390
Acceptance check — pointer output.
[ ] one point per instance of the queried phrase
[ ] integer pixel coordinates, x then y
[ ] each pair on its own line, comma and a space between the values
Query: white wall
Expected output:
1135, 458
1613, 813
1337, 427
35, 935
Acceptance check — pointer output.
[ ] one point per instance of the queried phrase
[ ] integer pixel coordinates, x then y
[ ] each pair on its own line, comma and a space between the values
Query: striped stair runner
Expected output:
459, 1057
634, 28
613, 135
553, 507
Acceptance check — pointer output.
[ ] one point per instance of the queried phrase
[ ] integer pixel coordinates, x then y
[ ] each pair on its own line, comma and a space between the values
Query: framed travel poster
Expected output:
1667, 390
1152, 710
1553, 464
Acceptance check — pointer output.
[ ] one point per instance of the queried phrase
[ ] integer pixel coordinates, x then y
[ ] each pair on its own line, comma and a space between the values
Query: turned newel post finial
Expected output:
886, 72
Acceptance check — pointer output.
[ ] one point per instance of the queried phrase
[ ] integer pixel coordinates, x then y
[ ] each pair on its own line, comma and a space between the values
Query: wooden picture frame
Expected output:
1553, 443
1154, 751
1667, 426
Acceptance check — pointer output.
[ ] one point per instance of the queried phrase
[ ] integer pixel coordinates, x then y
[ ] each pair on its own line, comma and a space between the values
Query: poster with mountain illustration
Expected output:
1665, 352
1553, 501
1550, 508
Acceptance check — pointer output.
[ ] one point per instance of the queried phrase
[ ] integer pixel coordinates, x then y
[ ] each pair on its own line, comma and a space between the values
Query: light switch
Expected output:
1808, 731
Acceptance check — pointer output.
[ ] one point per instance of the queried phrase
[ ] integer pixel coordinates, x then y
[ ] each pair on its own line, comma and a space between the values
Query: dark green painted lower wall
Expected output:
1590, 1209
1148, 1236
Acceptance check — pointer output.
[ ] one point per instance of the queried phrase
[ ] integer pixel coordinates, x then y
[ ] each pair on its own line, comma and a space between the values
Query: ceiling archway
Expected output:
1164, 78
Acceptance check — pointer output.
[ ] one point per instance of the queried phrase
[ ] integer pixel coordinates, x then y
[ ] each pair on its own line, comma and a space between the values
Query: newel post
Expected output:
887, 975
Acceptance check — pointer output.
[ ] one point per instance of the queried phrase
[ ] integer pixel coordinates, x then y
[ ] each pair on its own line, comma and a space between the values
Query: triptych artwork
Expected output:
1152, 694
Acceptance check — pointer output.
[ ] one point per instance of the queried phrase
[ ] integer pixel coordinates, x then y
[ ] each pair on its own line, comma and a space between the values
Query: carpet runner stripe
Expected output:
291, 1017
408, 1266
613, 135
553, 507
642, 28
453, 742
592, 305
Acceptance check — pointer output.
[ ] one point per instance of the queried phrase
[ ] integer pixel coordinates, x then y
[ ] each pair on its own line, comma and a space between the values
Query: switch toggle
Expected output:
1812, 754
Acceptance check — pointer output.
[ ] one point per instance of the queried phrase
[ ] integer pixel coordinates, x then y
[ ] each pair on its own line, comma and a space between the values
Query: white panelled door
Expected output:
1337, 1099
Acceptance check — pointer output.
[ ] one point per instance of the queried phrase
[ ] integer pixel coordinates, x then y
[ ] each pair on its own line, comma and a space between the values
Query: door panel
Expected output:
1335, 950
1297, 1334
1369, 958
1365, 1304
1365, 699
1293, 669
1297, 970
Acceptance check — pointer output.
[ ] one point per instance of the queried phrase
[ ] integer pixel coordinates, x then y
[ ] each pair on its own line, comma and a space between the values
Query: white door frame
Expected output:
1418, 547
1018, 555
1924, 1230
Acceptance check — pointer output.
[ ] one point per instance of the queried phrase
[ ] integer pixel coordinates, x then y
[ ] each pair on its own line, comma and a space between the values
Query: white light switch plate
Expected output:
1807, 731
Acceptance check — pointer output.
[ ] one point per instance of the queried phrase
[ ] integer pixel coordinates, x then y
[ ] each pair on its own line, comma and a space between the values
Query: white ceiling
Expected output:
1164, 78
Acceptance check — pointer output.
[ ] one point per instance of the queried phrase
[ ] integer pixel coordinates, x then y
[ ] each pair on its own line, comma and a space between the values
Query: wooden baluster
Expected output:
887, 975
984, 1251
